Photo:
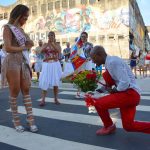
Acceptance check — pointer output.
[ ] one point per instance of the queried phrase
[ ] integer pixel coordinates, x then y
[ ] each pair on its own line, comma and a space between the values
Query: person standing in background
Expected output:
0, 57
147, 63
67, 51
133, 62
51, 69
86, 47
39, 59
84, 51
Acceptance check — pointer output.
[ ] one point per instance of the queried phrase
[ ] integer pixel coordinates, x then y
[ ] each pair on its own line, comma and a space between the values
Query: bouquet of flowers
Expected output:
86, 80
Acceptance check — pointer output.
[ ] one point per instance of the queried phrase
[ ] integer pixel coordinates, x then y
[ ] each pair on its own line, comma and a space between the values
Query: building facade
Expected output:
106, 22
137, 28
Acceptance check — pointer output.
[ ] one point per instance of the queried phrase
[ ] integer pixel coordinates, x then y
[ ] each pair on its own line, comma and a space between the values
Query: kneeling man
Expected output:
125, 94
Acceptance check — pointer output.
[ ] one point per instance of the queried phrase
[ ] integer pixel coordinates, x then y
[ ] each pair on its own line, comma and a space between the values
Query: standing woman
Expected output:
141, 63
51, 68
147, 63
16, 65
133, 62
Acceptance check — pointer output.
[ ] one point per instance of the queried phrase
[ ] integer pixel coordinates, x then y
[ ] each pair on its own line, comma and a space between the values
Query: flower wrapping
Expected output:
89, 100
90, 103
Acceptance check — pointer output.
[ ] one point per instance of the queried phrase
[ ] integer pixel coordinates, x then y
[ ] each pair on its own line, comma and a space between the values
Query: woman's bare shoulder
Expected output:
6, 27
7, 32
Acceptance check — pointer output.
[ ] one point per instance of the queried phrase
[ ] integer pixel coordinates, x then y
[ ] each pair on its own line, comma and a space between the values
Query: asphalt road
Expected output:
68, 126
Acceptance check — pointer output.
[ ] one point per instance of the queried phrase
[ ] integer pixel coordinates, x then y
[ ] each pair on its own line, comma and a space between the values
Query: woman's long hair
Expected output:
19, 11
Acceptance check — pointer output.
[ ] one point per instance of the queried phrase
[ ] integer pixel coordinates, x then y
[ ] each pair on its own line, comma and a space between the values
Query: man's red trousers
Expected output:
127, 102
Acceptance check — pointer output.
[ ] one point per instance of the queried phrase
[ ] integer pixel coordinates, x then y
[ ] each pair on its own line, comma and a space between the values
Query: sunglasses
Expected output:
51, 35
83, 36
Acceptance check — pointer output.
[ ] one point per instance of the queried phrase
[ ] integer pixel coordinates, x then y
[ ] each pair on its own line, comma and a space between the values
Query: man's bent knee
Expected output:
128, 127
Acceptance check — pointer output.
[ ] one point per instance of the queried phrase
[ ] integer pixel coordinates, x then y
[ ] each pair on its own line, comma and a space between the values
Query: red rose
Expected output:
93, 76
88, 76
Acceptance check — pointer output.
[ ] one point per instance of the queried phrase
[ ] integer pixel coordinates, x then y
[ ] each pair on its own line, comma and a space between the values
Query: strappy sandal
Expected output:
19, 128
42, 103
32, 128
57, 102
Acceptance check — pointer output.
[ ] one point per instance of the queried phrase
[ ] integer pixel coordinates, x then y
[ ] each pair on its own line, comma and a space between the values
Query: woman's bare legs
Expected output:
134, 69
135, 72
25, 87
44, 93
141, 69
13, 78
56, 95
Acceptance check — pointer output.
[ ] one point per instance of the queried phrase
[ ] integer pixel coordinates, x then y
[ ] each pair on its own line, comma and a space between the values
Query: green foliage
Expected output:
86, 80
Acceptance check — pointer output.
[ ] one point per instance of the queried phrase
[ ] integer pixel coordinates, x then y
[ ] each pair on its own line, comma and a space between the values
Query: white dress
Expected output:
51, 72
68, 69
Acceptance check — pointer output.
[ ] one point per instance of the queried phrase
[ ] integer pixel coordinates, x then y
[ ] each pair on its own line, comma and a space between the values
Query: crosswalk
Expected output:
68, 126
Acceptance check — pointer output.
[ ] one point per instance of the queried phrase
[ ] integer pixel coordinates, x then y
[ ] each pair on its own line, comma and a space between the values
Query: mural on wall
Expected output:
136, 28
73, 20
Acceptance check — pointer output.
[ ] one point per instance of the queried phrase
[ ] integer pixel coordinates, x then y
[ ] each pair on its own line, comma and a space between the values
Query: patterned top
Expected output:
50, 54
87, 47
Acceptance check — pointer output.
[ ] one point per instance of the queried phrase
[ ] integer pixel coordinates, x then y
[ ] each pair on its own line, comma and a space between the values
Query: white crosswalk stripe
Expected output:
30, 141
82, 103
79, 118
43, 142
145, 97
74, 93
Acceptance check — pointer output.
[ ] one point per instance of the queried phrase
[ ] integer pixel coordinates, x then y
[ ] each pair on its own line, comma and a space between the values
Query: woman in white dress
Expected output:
51, 68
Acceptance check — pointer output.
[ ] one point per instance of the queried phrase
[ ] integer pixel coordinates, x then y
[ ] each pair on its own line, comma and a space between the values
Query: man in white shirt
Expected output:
125, 94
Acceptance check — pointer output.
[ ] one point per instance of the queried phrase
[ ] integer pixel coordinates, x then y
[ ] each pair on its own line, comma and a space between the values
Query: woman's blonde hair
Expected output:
18, 12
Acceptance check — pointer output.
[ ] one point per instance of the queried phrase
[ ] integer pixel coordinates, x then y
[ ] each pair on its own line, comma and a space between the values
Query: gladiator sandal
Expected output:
30, 119
16, 118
